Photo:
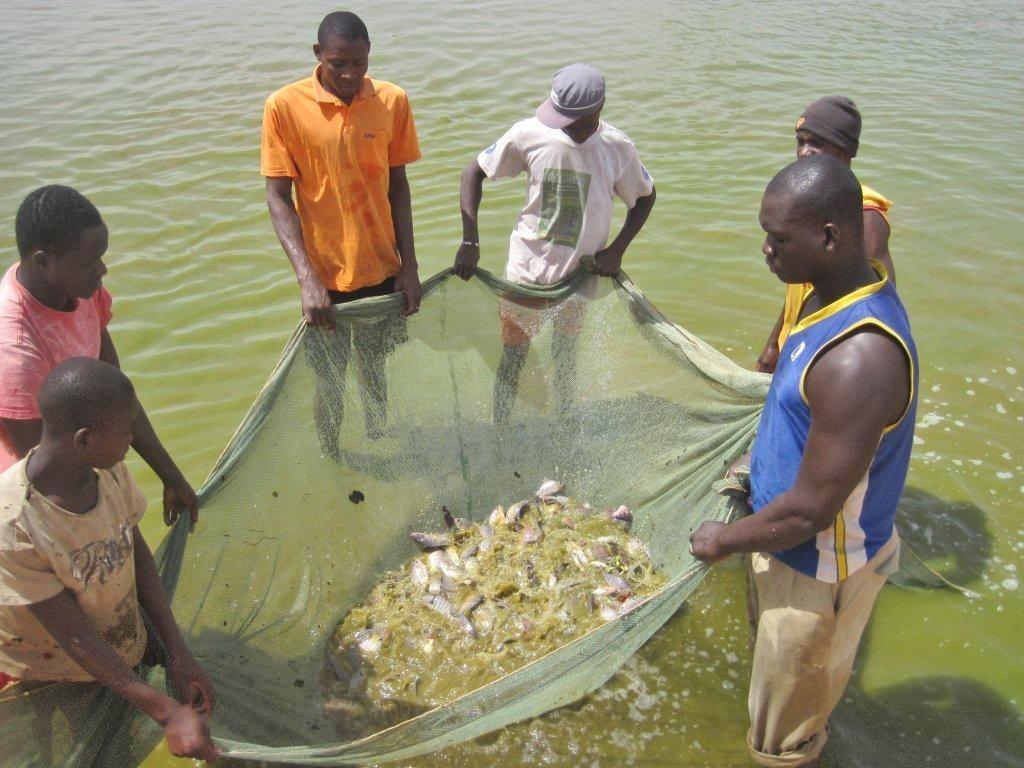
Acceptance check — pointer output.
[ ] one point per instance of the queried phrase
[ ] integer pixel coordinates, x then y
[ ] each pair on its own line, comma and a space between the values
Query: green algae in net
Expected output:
483, 600
340, 458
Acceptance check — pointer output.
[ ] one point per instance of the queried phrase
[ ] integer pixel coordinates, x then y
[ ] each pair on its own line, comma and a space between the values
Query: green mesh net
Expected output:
360, 437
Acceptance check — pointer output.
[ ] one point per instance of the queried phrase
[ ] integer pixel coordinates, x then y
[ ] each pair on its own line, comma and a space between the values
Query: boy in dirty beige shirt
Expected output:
76, 573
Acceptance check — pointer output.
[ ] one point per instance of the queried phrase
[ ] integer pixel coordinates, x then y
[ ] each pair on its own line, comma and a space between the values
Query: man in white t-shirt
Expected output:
575, 165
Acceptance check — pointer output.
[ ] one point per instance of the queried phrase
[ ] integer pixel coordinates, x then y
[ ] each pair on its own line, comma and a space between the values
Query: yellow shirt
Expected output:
338, 157
797, 293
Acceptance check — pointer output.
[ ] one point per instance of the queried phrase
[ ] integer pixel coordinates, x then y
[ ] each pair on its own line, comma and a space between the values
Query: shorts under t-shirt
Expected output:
44, 549
35, 339
570, 193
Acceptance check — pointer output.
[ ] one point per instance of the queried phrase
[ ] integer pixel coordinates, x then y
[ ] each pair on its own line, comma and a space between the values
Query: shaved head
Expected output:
821, 189
83, 392
343, 24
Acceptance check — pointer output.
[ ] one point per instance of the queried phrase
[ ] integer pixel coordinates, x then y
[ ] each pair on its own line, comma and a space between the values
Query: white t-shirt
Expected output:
568, 211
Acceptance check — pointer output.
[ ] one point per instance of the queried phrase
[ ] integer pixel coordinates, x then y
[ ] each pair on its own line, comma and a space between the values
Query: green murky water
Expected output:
153, 109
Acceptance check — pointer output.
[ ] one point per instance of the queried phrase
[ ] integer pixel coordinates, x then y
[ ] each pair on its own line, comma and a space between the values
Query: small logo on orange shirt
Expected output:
369, 135
799, 122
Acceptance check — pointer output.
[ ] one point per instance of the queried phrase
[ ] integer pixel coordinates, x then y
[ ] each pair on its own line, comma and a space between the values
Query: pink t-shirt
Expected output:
35, 339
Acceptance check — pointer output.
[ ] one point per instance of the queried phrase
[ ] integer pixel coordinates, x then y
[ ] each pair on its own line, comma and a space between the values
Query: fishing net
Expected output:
361, 436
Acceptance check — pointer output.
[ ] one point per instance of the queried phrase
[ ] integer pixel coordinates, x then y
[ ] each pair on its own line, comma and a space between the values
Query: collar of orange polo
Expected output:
366, 90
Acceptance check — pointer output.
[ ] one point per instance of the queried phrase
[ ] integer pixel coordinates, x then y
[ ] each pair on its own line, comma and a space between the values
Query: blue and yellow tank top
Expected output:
865, 523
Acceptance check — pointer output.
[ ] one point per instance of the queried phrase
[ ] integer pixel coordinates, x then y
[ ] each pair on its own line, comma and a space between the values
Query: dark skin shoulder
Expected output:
855, 390
876, 241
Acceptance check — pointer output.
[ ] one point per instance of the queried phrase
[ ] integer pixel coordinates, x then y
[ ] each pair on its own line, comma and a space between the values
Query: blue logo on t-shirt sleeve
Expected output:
490, 149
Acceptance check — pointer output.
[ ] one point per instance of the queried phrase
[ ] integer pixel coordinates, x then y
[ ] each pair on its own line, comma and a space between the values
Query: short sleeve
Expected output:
25, 577
104, 302
634, 181
134, 500
873, 201
504, 159
404, 146
22, 371
275, 159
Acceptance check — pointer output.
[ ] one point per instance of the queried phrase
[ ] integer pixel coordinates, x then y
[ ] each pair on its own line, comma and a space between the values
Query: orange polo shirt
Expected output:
338, 157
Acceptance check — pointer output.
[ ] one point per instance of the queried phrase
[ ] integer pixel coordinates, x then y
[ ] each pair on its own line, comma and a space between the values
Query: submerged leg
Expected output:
327, 354
564, 348
506, 382
371, 350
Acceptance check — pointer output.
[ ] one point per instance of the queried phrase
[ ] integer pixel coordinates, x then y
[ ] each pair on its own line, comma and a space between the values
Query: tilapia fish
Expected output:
481, 600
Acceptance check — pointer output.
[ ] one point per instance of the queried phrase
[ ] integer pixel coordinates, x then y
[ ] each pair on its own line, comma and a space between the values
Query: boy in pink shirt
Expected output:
53, 307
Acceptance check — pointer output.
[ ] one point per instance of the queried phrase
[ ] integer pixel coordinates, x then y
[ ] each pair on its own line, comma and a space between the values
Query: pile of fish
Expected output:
481, 601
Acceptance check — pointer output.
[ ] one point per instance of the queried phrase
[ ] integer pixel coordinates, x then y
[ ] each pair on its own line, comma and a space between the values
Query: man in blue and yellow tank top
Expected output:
830, 126
828, 463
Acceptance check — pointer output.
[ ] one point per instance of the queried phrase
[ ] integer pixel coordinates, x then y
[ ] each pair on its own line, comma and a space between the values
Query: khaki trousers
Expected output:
806, 640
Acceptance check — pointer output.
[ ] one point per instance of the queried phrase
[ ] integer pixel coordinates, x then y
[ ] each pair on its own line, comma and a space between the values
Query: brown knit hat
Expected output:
834, 119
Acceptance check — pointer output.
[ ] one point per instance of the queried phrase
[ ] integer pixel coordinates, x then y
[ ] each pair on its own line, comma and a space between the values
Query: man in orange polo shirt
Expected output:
342, 140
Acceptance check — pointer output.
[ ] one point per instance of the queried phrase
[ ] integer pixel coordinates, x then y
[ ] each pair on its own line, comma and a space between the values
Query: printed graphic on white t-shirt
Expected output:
563, 206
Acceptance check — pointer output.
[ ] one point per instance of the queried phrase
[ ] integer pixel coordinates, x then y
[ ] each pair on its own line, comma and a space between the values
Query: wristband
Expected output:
470, 242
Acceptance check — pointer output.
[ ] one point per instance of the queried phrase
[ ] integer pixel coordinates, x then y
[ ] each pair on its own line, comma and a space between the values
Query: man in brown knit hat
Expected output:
831, 126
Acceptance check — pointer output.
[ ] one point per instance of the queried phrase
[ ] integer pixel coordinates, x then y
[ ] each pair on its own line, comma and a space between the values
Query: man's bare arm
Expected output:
400, 198
876, 241
471, 192
316, 302
178, 493
854, 390
769, 357
608, 260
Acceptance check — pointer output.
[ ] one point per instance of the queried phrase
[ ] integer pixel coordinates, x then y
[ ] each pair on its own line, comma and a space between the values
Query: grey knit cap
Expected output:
835, 119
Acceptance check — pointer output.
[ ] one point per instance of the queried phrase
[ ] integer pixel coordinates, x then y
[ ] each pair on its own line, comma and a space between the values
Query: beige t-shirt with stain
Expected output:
45, 549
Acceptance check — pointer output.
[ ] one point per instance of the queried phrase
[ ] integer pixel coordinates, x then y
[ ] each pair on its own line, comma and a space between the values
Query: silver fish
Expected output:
357, 683
450, 520
516, 511
531, 534
369, 642
549, 488
469, 551
578, 555
485, 618
446, 609
622, 514
342, 708
497, 517
336, 665
619, 584
420, 573
471, 603
431, 540
440, 560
